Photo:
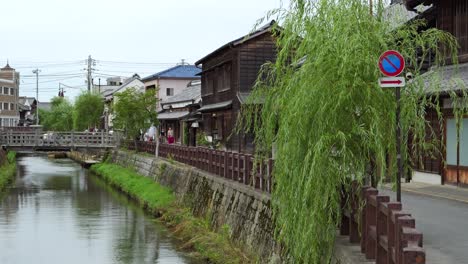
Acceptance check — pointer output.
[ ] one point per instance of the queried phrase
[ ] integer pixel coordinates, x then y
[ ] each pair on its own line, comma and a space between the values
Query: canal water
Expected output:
58, 212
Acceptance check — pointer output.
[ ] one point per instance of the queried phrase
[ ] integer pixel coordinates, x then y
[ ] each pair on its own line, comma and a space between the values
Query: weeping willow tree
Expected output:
324, 114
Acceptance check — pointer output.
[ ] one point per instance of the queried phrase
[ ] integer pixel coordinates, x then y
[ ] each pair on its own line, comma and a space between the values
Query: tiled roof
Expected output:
188, 94
216, 106
172, 115
264, 29
450, 78
176, 72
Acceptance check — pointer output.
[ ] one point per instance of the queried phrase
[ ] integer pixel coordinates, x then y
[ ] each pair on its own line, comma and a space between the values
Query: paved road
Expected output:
444, 224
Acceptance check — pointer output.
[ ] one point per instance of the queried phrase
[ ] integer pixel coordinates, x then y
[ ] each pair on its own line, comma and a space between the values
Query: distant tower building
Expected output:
9, 93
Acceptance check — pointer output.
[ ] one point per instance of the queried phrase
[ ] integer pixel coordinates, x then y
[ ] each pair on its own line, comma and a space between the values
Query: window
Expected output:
210, 83
219, 79
12, 91
169, 91
1, 90
1, 106
12, 106
451, 148
5, 90
227, 77
222, 78
5, 106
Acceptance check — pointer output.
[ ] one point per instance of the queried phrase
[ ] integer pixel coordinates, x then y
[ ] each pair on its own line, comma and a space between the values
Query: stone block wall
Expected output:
246, 211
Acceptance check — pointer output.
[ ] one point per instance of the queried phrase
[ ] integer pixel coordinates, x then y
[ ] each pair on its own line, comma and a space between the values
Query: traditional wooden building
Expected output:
451, 16
180, 114
227, 79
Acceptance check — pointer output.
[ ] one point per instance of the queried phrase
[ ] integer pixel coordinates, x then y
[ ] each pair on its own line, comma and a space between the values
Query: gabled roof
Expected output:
126, 83
191, 93
23, 99
265, 29
176, 72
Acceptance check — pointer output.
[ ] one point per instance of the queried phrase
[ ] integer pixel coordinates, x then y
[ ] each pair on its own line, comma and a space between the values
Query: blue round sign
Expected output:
391, 63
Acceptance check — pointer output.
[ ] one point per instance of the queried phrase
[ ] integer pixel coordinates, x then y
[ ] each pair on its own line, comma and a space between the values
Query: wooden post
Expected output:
36, 137
225, 173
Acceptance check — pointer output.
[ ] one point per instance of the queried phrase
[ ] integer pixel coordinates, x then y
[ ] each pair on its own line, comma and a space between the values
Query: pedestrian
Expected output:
170, 136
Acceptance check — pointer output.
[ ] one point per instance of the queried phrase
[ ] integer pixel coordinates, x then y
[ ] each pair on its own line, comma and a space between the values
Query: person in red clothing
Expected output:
170, 136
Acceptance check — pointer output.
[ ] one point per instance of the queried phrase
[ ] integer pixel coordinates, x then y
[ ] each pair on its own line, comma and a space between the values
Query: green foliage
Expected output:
88, 111
146, 191
60, 117
134, 111
11, 157
8, 170
201, 139
328, 118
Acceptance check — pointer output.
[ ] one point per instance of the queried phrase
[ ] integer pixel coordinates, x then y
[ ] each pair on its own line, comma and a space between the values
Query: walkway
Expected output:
441, 214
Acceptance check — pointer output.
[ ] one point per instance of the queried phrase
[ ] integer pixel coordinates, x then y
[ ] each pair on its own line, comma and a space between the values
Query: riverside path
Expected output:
442, 219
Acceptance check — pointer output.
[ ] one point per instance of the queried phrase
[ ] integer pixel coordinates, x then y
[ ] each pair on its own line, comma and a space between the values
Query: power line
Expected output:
142, 63
55, 80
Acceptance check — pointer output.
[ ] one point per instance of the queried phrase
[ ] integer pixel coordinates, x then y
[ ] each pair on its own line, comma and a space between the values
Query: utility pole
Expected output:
37, 71
90, 70
99, 85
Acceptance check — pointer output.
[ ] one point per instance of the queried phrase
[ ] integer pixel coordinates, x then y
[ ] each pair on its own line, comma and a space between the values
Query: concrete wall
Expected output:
246, 211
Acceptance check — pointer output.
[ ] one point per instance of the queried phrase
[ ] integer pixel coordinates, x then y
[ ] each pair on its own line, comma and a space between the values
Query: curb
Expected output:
403, 189
436, 196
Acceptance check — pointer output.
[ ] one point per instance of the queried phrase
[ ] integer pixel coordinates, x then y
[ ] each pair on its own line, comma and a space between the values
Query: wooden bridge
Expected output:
38, 140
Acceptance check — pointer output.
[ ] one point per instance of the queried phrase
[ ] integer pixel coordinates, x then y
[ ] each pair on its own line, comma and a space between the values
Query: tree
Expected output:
89, 108
326, 115
60, 117
135, 111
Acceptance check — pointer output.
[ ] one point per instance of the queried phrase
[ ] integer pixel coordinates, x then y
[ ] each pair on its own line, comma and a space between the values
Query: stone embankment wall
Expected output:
246, 211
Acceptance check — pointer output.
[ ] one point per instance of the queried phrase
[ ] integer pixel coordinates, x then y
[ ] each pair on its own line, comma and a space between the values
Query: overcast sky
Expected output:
123, 36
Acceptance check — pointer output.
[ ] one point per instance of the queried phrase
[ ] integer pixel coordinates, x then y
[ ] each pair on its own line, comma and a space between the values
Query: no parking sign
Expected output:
391, 64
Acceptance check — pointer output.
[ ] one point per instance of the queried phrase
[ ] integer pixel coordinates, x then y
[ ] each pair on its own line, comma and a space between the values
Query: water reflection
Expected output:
57, 212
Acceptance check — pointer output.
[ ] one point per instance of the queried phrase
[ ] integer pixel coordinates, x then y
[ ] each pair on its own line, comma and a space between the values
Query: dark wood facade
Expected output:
450, 16
228, 72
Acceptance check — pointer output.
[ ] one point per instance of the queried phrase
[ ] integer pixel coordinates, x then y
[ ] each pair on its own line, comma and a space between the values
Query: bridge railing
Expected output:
385, 232
57, 139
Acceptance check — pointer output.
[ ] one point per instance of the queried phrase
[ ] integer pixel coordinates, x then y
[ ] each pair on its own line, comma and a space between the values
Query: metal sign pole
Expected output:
398, 144
391, 64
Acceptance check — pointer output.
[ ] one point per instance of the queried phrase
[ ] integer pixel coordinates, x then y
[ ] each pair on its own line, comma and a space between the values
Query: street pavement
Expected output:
441, 214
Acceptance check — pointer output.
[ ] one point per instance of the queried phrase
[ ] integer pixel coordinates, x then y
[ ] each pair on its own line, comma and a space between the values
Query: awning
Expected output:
176, 115
244, 99
217, 106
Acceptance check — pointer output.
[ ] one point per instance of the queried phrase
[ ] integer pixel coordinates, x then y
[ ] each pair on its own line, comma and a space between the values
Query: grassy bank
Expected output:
7, 170
161, 202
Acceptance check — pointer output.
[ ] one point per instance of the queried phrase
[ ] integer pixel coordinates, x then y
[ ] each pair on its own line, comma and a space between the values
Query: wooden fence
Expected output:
385, 232
239, 167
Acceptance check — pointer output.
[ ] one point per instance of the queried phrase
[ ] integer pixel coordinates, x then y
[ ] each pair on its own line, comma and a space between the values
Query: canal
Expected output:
58, 212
